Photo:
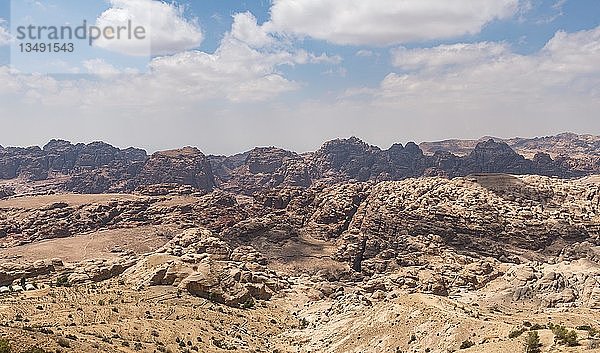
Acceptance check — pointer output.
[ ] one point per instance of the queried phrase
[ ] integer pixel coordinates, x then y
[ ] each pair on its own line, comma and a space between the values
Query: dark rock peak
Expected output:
350, 143
397, 147
542, 157
413, 148
179, 153
566, 135
185, 166
55, 145
63, 146
269, 151
267, 159
494, 146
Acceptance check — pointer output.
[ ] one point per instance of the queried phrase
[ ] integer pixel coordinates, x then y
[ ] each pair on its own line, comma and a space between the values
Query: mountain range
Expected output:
100, 168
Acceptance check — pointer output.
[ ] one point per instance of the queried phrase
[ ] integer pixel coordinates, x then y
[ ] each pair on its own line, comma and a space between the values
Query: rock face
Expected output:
95, 168
6, 192
354, 160
494, 157
187, 166
577, 154
28, 163
101, 168
205, 266
556, 285
262, 169
486, 214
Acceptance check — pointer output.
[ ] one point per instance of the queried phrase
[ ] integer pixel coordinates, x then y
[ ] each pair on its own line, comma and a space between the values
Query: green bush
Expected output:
592, 332
564, 336
63, 281
466, 344
532, 343
516, 333
4, 346
248, 303
536, 327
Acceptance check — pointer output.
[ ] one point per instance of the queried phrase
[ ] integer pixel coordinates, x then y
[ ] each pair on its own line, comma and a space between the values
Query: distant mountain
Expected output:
565, 144
577, 153
100, 168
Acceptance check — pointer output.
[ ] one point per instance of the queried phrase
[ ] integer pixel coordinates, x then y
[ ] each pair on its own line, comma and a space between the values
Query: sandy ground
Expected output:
74, 200
105, 244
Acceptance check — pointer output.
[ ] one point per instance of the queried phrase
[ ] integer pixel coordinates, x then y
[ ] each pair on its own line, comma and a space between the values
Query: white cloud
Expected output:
246, 29
365, 53
237, 71
167, 31
481, 73
444, 56
101, 68
385, 22
5, 36
245, 67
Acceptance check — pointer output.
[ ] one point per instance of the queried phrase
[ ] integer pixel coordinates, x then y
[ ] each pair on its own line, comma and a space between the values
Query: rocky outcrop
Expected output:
262, 169
559, 285
343, 160
205, 266
493, 157
27, 163
100, 168
334, 209
486, 215
6, 192
187, 166
11, 272
232, 284
576, 154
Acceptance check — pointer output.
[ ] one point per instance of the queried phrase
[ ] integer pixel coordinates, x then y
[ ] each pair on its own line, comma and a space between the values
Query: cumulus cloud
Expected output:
447, 56
246, 29
490, 71
167, 31
242, 69
386, 22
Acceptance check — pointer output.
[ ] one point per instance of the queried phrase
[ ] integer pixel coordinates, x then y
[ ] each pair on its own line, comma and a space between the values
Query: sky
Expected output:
227, 76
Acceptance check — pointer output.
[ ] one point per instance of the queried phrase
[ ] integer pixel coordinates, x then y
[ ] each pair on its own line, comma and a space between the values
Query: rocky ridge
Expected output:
99, 168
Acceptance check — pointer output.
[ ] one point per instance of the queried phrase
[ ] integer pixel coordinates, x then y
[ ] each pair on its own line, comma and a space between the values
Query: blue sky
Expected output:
229, 75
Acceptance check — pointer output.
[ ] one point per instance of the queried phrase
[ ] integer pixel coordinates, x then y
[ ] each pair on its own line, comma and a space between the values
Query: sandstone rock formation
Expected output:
576, 154
262, 169
416, 263
187, 166
99, 167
